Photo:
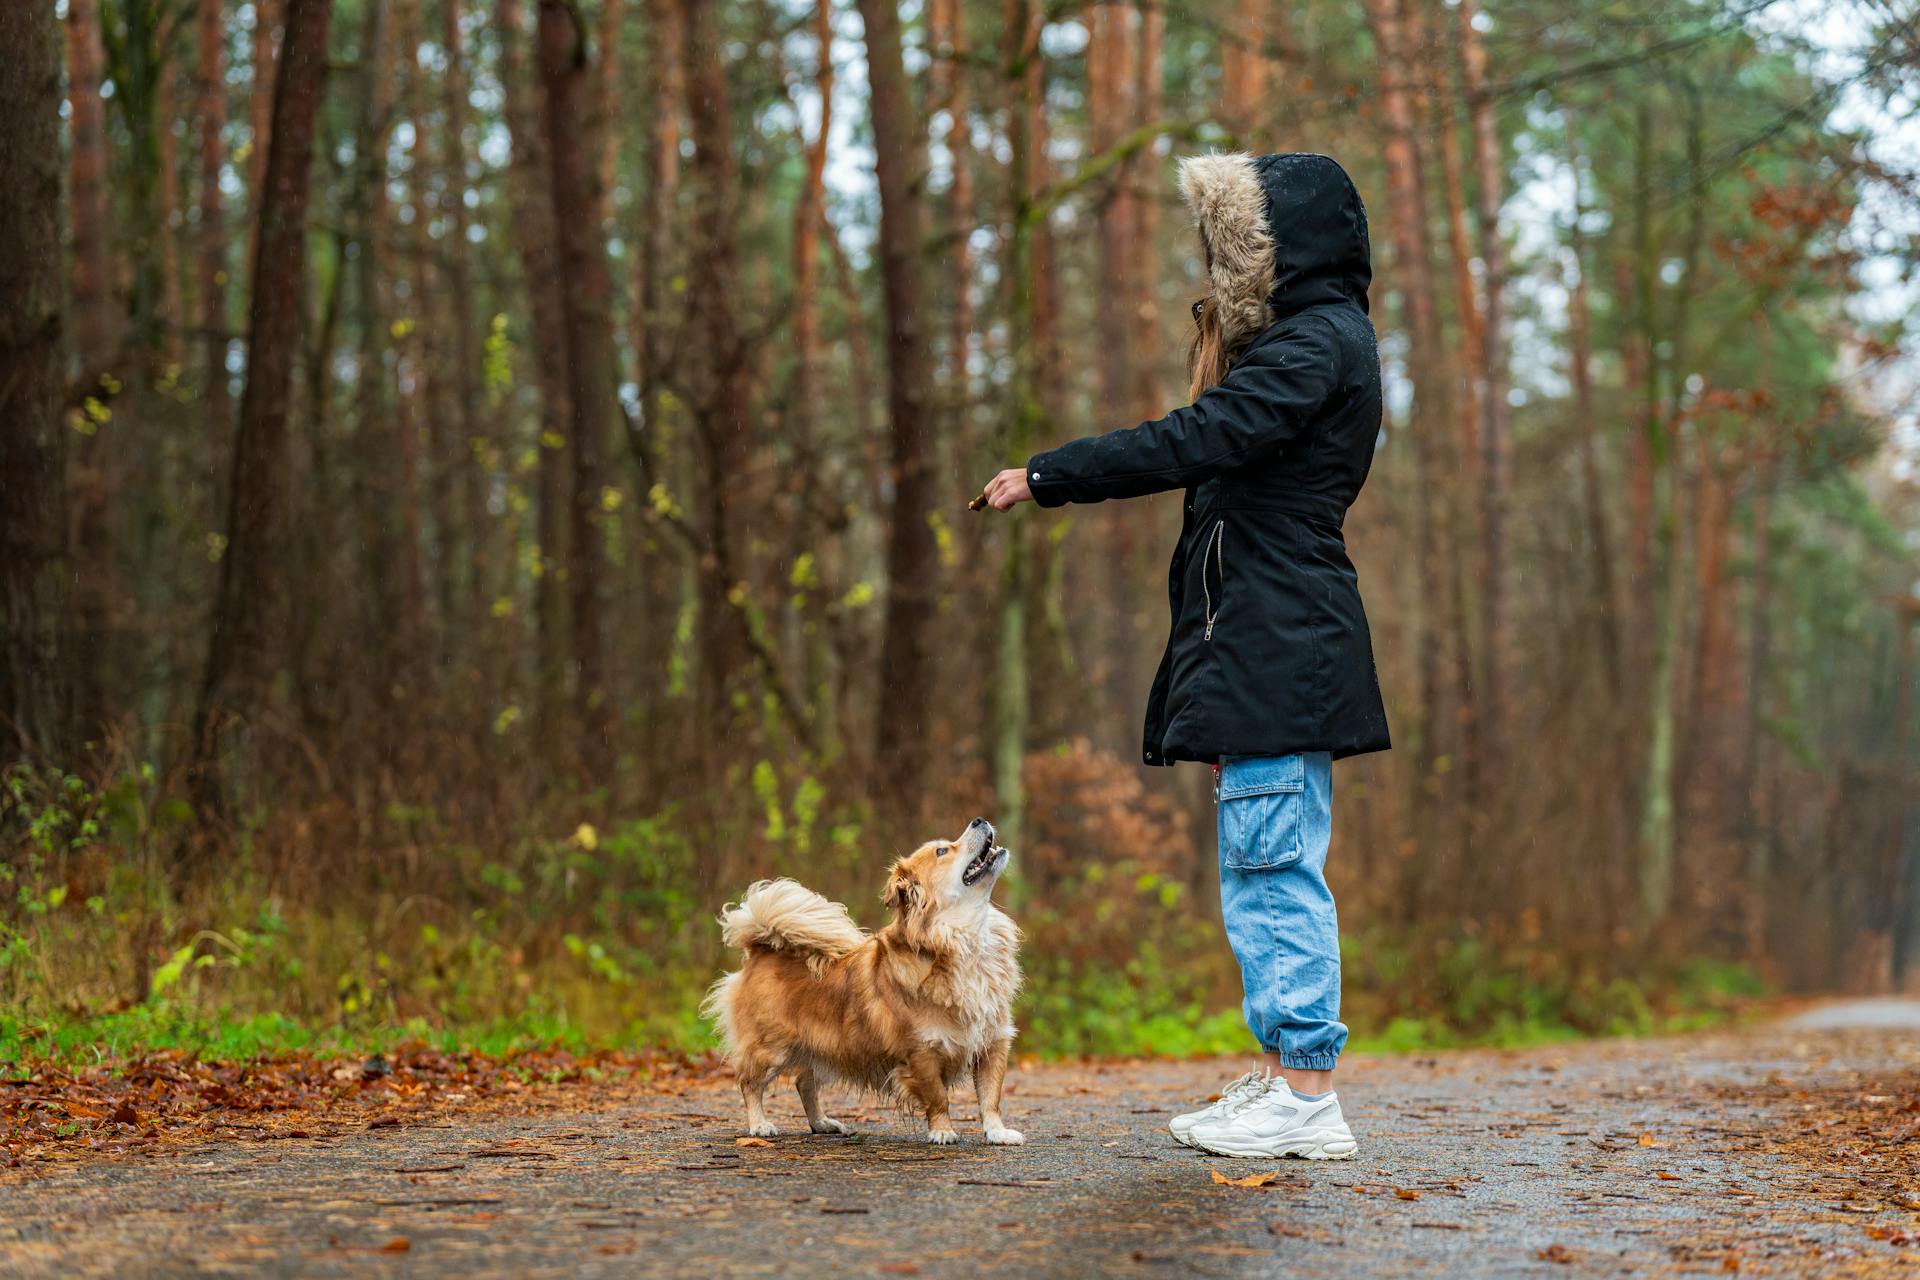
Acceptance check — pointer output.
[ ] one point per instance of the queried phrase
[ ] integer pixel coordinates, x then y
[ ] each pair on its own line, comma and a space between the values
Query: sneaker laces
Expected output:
1257, 1086
1249, 1083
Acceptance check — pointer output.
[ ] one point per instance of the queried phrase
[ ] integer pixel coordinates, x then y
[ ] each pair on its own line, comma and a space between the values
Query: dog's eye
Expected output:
942, 851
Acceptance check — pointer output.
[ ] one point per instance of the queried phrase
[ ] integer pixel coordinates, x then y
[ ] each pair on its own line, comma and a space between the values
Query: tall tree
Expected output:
1490, 193
210, 114
470, 444
913, 566
33, 521
1244, 67
167, 213
247, 606
265, 38
1142, 172
809, 217
605, 120
1113, 108
96, 333
948, 33
586, 320
1011, 704
95, 326
667, 48
390, 431
721, 412
1412, 275
529, 187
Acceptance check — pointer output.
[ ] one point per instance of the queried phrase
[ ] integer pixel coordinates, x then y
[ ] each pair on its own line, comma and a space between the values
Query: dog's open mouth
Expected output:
984, 861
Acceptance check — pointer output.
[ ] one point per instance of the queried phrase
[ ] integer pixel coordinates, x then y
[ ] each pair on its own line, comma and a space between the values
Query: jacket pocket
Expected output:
1213, 565
1260, 802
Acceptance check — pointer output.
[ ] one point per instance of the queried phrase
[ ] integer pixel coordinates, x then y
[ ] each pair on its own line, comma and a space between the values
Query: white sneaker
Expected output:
1181, 1126
1273, 1123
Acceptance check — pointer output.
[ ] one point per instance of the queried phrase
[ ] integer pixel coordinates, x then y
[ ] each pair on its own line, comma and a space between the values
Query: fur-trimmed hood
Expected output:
1281, 233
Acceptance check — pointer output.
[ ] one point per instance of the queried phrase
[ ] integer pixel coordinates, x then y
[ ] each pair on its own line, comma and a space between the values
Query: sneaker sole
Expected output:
1184, 1139
1333, 1146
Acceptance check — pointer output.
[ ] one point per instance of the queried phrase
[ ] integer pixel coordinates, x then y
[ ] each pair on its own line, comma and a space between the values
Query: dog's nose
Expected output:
978, 822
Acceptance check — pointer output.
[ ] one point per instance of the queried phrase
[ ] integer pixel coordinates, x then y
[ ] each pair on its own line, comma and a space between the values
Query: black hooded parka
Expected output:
1269, 652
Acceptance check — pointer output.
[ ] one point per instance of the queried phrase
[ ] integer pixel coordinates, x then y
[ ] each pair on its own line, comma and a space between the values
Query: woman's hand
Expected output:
1008, 489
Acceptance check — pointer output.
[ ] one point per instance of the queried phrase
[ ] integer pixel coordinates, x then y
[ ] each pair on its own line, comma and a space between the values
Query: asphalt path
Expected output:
1783, 1149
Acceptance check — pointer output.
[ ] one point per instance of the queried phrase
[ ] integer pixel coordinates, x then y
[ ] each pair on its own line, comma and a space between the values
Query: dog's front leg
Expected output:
809, 1087
924, 1079
989, 1069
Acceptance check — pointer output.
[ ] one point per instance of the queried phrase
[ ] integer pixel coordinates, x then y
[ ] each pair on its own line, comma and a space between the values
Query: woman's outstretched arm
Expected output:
1266, 400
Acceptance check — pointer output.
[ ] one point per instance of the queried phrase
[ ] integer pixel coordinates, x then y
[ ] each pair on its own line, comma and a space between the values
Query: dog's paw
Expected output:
765, 1129
1006, 1137
827, 1124
942, 1137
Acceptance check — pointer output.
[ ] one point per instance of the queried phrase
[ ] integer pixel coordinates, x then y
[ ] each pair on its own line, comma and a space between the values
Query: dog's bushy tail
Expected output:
781, 915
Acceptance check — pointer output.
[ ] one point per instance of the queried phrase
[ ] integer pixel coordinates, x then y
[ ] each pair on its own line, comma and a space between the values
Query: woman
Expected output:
1268, 673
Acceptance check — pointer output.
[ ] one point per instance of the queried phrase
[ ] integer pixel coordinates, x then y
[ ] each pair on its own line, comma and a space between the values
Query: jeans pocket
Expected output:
1260, 812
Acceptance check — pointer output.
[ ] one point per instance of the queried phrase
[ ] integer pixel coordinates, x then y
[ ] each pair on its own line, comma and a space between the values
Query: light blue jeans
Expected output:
1276, 820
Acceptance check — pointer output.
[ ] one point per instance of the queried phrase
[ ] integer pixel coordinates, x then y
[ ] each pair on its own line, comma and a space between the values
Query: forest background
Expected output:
481, 481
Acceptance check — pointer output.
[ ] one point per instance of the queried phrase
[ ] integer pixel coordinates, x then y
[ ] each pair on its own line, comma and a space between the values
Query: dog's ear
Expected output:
904, 893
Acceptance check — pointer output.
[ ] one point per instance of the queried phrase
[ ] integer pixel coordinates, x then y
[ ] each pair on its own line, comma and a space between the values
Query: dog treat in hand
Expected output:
978, 503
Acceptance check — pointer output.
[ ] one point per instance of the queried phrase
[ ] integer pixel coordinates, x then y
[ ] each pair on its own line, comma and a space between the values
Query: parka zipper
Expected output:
1216, 548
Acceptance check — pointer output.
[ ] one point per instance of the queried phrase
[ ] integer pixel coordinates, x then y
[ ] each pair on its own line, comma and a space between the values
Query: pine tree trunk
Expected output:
1661, 813
586, 314
952, 28
95, 323
167, 206
1149, 389
1412, 268
663, 195
1759, 827
249, 600
33, 518
1593, 485
1244, 71
808, 217
606, 104
97, 332
913, 568
721, 406
432, 461
210, 96
476, 569
389, 430
529, 186
1112, 109
1490, 190
1011, 706
266, 39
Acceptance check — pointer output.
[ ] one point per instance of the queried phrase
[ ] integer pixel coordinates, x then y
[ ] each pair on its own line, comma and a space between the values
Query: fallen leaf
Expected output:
1646, 1140
383, 1122
1556, 1253
1664, 1176
399, 1244
1265, 1179
752, 1142
1406, 1193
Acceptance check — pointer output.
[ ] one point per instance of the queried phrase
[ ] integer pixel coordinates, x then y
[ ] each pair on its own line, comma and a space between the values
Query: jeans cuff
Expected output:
1306, 1061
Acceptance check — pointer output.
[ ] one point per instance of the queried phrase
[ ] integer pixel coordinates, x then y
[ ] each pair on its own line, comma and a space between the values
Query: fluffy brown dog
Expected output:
905, 1012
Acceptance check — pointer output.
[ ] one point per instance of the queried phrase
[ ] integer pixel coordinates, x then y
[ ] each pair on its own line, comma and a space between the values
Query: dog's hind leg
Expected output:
989, 1069
925, 1081
756, 1073
809, 1087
